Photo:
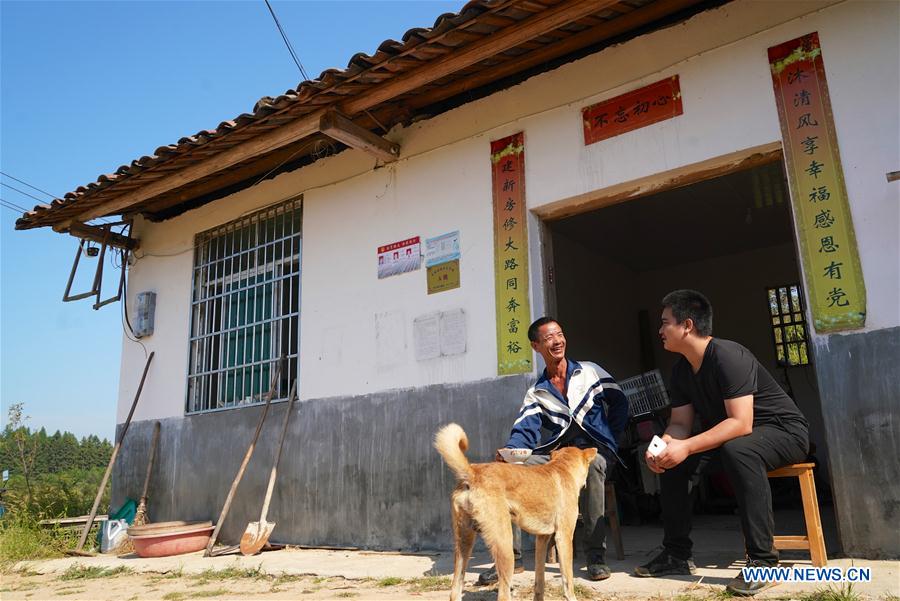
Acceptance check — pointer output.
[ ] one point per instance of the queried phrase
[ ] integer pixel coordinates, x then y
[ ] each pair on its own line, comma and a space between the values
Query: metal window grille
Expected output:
245, 309
788, 325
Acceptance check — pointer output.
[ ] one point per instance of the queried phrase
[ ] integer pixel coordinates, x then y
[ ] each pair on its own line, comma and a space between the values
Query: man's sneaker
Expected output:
597, 568
741, 588
665, 564
490, 576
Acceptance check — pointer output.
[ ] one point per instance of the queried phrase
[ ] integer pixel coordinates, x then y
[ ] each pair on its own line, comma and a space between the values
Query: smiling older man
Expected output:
575, 403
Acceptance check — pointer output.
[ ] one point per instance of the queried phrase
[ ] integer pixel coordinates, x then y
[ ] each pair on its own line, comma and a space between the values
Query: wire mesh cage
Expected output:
645, 392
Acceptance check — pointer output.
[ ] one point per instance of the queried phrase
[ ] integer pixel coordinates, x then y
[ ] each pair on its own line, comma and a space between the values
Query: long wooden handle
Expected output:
240, 472
271, 487
150, 461
112, 459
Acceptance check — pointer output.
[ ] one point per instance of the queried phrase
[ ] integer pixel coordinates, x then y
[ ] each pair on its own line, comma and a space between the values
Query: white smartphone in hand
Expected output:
657, 445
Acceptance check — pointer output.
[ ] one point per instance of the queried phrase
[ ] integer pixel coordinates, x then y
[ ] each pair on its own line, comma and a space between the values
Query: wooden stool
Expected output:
612, 514
814, 540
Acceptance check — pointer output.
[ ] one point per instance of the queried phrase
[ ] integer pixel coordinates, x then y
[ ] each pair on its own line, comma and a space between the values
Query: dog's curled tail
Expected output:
452, 443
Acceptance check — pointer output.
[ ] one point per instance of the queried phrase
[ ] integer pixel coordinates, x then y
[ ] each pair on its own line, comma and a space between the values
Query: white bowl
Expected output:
515, 455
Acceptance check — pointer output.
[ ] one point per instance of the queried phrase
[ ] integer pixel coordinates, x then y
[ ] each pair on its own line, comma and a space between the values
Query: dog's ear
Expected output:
589, 454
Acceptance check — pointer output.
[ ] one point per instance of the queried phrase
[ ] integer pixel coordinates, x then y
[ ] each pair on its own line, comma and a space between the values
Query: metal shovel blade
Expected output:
255, 537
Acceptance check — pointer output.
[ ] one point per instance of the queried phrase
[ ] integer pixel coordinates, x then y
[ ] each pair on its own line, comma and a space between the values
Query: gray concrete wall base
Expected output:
859, 384
355, 471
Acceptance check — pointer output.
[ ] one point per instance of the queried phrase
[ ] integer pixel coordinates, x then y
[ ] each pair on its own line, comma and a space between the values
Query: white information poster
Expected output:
453, 332
426, 337
439, 334
441, 249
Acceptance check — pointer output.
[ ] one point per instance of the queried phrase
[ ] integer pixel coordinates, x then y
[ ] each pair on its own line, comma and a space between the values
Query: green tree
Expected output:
26, 445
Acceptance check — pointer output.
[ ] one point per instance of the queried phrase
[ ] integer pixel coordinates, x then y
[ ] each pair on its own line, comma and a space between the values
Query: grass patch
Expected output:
389, 581
427, 584
347, 594
285, 578
554, 591
81, 572
174, 596
844, 593
705, 593
23, 539
231, 573
217, 592
73, 591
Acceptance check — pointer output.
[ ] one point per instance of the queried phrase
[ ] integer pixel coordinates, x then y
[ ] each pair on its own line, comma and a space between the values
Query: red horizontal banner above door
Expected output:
651, 104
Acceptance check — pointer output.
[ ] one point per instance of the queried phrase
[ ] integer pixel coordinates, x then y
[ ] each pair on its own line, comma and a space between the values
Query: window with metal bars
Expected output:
245, 309
788, 325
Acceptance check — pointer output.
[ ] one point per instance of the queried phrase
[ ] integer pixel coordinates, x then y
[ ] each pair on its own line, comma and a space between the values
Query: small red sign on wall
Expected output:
657, 102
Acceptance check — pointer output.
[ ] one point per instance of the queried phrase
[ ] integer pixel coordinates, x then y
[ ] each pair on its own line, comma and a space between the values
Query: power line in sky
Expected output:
53, 196
40, 200
287, 42
12, 206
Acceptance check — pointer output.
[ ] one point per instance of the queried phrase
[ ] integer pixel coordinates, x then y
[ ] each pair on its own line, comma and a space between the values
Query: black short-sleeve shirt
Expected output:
728, 371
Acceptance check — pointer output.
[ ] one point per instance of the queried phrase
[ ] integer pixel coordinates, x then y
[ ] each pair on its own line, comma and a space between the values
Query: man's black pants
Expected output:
746, 461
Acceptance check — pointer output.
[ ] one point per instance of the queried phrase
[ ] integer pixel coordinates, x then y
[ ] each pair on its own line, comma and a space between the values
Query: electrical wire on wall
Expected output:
126, 322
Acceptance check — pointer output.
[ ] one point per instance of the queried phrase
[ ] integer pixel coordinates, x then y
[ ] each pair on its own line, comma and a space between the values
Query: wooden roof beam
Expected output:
101, 235
502, 40
607, 30
276, 138
342, 129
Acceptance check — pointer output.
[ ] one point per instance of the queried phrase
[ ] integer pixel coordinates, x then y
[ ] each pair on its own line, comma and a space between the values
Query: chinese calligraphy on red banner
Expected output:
511, 255
835, 288
657, 102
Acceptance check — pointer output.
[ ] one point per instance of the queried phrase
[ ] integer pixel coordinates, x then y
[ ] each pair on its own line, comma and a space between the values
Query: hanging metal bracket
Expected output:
106, 237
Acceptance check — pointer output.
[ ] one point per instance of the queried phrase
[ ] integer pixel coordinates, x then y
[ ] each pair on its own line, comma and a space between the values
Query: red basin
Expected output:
170, 538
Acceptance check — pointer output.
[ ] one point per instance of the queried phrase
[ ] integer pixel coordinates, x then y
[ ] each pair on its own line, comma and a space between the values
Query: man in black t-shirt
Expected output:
745, 417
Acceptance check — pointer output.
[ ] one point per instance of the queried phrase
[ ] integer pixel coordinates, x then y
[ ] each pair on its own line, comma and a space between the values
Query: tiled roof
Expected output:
363, 76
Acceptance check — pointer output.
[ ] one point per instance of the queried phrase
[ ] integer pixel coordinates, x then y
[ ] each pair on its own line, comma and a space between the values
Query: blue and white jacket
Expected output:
595, 402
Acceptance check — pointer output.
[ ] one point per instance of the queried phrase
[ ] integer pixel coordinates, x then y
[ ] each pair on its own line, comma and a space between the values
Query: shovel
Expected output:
240, 473
257, 533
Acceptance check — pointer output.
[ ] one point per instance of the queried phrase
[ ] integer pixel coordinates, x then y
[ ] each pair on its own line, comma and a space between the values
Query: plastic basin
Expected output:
170, 538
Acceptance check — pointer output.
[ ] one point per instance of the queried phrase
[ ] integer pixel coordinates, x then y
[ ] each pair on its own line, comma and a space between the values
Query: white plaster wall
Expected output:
442, 184
343, 299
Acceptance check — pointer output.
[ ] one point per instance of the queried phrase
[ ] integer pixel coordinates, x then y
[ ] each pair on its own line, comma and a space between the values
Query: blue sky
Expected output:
88, 86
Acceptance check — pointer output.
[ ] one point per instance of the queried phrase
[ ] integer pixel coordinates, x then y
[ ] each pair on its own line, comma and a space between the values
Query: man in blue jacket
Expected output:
575, 403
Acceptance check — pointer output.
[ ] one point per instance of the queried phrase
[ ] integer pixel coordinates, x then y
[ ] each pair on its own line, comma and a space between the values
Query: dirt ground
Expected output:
113, 585
96, 583
307, 573
125, 586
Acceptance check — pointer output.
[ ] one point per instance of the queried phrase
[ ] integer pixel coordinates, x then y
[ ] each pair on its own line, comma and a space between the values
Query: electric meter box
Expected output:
144, 314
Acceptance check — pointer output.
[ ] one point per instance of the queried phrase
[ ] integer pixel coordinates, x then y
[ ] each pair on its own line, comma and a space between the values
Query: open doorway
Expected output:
613, 265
